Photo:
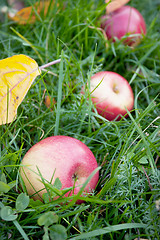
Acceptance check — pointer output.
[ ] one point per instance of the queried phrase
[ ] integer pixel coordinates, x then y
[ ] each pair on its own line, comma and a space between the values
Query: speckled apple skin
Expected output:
61, 156
108, 103
125, 20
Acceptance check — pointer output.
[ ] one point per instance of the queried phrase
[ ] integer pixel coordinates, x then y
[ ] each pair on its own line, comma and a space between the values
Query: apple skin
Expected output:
60, 157
111, 94
124, 21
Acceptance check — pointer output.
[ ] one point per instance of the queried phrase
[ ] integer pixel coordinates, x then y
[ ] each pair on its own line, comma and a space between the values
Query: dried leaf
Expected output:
114, 4
29, 15
16, 76
48, 101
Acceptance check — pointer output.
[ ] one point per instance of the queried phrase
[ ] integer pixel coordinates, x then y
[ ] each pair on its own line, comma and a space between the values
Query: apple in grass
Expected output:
111, 94
61, 157
124, 22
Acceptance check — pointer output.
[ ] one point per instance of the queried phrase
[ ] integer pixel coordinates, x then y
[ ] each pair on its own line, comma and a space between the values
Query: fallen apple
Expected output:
125, 22
111, 94
61, 157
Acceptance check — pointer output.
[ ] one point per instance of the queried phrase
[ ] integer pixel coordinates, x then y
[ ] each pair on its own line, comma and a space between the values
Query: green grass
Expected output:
125, 202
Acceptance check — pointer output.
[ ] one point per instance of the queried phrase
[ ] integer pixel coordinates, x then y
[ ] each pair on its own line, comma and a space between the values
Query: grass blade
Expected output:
20, 229
59, 97
109, 229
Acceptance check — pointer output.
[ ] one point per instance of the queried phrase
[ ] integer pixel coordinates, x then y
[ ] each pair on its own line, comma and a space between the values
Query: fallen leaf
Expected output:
114, 4
48, 102
30, 15
16, 76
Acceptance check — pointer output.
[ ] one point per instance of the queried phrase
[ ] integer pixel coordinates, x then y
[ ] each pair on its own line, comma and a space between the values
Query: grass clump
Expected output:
126, 202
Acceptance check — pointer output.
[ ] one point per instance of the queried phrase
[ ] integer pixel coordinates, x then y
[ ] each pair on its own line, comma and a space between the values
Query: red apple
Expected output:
126, 21
111, 94
61, 157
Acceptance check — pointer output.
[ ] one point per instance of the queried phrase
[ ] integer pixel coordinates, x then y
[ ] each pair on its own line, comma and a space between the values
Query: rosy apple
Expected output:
61, 157
111, 94
124, 22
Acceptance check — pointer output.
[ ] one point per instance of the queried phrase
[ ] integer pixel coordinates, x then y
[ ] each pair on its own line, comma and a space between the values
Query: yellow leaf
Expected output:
30, 14
115, 4
16, 76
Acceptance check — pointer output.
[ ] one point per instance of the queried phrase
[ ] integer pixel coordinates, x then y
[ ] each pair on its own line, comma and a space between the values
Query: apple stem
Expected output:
75, 177
49, 64
115, 89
